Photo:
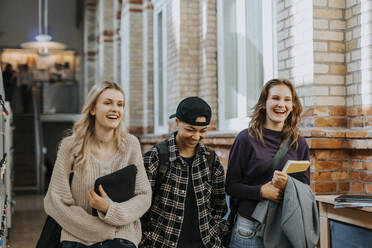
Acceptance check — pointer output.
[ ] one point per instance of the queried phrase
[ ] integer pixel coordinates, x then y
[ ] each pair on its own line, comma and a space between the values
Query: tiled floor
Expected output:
27, 222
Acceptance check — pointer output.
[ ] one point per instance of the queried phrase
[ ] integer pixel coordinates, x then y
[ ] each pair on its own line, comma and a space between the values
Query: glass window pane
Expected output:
254, 72
230, 59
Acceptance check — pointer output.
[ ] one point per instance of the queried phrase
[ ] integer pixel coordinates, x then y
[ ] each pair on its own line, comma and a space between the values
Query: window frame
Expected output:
269, 60
160, 8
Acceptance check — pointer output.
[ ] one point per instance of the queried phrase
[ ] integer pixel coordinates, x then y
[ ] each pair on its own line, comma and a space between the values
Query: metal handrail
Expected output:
39, 144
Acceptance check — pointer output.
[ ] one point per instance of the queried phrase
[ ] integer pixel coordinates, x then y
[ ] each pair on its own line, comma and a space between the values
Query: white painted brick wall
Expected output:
147, 81
207, 86
365, 8
295, 42
353, 52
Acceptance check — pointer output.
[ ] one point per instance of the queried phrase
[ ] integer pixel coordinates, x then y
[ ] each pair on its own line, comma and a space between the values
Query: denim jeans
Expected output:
115, 243
244, 234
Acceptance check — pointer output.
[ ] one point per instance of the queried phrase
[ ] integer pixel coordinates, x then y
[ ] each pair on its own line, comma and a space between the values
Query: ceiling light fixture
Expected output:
43, 41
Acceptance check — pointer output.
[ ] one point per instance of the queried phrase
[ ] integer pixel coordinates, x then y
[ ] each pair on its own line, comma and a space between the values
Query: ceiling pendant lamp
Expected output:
43, 41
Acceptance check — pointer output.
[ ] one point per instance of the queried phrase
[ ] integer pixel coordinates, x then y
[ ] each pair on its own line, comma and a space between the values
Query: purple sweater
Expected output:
249, 160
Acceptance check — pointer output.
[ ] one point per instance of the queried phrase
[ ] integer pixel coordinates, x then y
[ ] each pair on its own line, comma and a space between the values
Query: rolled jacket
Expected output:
293, 222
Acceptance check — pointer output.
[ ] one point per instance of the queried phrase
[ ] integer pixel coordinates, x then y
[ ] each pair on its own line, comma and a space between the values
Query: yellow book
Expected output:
294, 166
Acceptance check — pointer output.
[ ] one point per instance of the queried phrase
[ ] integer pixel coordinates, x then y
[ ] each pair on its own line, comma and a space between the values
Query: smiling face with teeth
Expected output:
279, 105
109, 109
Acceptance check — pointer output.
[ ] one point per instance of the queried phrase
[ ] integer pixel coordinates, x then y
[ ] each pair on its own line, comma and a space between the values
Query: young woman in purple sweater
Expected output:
274, 120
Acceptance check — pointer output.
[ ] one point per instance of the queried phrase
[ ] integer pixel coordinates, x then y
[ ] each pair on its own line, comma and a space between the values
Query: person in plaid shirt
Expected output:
189, 201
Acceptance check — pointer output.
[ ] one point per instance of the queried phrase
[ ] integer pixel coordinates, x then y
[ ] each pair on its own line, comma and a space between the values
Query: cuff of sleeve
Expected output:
260, 193
107, 217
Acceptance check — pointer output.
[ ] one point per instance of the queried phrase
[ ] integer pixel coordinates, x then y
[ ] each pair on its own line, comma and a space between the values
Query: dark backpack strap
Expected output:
162, 148
210, 160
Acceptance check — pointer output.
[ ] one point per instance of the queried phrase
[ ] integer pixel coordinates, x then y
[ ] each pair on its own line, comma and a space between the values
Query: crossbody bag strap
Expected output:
279, 155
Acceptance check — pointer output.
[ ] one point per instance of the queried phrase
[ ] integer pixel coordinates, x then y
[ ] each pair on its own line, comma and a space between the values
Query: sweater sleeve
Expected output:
124, 213
59, 204
239, 158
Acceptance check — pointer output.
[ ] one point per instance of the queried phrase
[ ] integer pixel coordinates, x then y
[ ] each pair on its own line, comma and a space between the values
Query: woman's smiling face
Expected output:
109, 109
279, 104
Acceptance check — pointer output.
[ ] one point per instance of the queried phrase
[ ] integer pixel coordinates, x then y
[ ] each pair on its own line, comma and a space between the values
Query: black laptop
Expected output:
119, 185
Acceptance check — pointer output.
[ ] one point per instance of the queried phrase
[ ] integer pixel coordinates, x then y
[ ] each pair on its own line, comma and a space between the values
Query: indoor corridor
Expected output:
28, 220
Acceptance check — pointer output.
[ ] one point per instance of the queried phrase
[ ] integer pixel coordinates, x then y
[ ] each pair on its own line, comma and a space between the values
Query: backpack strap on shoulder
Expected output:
162, 148
210, 159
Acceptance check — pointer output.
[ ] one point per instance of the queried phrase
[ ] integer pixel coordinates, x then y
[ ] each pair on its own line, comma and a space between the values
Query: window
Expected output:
160, 69
246, 50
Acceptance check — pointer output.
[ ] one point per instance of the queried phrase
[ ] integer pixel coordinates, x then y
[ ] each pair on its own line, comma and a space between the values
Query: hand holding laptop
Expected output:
98, 201
119, 185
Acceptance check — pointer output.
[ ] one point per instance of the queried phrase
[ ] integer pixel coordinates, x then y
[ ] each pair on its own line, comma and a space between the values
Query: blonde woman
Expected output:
99, 145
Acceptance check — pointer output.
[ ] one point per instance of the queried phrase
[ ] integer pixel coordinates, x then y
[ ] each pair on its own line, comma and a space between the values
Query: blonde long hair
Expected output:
259, 114
83, 130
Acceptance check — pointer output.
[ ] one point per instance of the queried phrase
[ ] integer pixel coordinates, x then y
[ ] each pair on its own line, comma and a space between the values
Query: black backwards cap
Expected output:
191, 108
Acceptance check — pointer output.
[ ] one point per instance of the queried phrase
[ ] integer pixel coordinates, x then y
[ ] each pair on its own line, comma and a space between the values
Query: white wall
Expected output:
19, 22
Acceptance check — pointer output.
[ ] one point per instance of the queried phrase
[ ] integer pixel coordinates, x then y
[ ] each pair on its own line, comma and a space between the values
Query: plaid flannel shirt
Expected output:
163, 222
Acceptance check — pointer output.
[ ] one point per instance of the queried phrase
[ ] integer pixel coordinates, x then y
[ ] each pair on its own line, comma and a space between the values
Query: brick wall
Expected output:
97, 77
132, 59
106, 63
117, 41
173, 53
189, 48
294, 45
359, 98
336, 124
207, 85
323, 47
136, 66
148, 110
313, 41
329, 58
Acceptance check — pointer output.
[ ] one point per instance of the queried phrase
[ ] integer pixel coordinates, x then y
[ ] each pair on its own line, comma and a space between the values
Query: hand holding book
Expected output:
296, 166
279, 179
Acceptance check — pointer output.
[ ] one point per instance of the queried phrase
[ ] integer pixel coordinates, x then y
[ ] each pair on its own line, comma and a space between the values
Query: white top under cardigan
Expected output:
70, 208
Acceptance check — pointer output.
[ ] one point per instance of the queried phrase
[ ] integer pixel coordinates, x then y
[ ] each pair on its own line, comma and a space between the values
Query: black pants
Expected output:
115, 243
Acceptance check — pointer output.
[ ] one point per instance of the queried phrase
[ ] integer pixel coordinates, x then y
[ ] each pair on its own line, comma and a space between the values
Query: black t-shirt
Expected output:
190, 233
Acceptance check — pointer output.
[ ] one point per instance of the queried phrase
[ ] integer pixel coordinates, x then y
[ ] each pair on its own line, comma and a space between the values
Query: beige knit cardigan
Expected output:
70, 207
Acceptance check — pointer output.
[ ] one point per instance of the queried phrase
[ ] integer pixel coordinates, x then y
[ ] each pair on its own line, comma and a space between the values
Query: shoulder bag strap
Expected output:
162, 148
278, 157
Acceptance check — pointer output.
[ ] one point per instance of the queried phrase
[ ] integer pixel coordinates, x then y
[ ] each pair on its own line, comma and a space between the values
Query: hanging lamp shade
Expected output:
43, 41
